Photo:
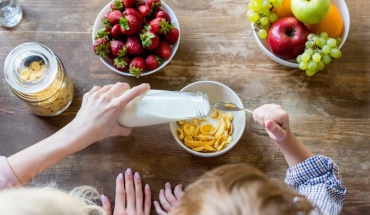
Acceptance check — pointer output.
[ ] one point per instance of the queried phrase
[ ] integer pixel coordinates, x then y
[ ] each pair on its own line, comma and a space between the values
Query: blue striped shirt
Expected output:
318, 179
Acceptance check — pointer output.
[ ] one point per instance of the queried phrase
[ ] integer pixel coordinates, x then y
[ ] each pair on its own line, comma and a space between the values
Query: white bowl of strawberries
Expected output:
135, 39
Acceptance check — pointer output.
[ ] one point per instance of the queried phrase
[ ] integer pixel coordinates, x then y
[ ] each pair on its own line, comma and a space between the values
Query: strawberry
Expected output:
114, 16
172, 36
116, 32
101, 47
154, 4
118, 48
136, 66
133, 12
144, 10
160, 25
162, 14
152, 62
116, 5
129, 24
121, 63
106, 21
129, 3
163, 50
134, 46
103, 33
149, 40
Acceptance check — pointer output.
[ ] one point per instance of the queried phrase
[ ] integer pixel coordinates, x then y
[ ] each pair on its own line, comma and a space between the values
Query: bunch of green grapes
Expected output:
259, 13
319, 51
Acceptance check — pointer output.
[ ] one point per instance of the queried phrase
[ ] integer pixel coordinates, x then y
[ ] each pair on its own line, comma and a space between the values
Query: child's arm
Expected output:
96, 120
315, 177
276, 123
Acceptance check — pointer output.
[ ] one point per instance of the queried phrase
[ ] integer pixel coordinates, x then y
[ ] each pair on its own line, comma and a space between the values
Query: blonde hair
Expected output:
50, 201
239, 189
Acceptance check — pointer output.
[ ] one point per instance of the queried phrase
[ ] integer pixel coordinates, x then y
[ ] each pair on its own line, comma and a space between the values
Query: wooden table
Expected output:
329, 112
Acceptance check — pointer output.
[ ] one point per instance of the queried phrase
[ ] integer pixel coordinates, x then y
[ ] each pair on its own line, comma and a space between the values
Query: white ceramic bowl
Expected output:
109, 62
216, 92
342, 7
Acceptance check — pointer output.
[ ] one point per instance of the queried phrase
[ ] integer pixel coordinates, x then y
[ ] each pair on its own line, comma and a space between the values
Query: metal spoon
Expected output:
229, 106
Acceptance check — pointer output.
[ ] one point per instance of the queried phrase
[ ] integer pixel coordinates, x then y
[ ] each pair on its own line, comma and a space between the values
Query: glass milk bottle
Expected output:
160, 106
37, 76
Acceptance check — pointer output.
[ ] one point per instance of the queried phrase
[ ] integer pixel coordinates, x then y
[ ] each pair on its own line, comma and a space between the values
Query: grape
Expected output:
253, 16
324, 35
305, 57
335, 53
256, 6
273, 18
299, 60
276, 3
310, 72
319, 51
339, 41
264, 21
322, 42
312, 65
259, 13
309, 51
303, 65
326, 49
326, 59
310, 36
316, 57
320, 65
266, 4
262, 33
309, 44
331, 42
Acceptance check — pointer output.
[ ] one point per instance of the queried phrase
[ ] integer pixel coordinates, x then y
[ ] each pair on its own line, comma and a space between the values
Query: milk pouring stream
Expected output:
160, 106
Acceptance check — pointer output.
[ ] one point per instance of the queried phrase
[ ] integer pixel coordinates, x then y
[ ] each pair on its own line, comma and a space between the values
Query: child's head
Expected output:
239, 189
49, 201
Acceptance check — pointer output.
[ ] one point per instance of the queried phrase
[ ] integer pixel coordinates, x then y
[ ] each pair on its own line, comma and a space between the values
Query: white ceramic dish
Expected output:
342, 7
216, 92
109, 62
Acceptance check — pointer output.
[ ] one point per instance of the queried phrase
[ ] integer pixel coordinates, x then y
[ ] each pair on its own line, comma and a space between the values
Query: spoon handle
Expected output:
249, 111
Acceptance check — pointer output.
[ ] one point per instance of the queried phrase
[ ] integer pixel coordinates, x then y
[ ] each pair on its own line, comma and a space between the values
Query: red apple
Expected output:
286, 38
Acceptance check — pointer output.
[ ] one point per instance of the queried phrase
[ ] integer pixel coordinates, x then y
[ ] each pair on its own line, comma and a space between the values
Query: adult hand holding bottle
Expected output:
95, 121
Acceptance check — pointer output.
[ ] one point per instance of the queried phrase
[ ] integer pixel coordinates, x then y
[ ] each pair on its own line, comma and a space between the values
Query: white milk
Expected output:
159, 106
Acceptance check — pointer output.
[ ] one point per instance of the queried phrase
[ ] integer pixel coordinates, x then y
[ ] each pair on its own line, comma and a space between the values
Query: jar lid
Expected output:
20, 58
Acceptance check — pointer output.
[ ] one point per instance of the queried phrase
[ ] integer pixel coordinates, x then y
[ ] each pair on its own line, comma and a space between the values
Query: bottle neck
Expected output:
202, 105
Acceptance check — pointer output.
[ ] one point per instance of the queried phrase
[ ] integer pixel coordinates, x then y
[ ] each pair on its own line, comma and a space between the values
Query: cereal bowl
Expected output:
342, 7
216, 92
109, 62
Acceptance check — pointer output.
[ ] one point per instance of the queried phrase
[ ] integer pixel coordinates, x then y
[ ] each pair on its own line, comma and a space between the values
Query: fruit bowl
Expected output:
342, 7
216, 92
98, 24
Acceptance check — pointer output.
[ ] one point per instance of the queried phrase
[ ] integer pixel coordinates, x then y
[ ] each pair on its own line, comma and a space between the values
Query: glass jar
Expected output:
161, 106
37, 76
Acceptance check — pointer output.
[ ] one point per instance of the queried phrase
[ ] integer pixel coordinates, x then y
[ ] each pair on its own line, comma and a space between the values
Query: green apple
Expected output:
310, 11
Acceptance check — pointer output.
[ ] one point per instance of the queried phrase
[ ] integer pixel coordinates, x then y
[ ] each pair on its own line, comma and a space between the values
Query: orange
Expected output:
283, 10
331, 24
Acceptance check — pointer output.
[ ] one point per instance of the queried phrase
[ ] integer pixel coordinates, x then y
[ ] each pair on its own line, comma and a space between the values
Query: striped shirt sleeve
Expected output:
7, 177
318, 179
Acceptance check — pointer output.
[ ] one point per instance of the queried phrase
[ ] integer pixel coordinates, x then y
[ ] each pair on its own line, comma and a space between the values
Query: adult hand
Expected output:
168, 199
274, 119
101, 106
129, 196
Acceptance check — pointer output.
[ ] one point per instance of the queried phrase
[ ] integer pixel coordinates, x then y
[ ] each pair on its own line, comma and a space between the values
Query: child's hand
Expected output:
168, 200
275, 121
129, 198
101, 106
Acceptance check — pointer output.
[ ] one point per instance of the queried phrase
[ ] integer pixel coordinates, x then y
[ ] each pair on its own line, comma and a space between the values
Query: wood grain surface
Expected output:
329, 112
